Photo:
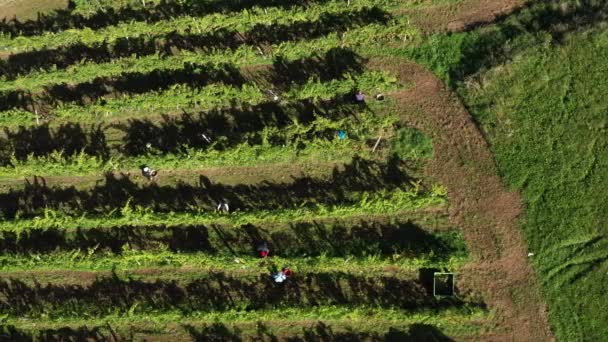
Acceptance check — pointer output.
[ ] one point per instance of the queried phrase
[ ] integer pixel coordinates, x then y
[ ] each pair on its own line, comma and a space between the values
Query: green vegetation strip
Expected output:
384, 202
463, 320
145, 269
295, 149
217, 95
242, 21
244, 55
421, 234
200, 263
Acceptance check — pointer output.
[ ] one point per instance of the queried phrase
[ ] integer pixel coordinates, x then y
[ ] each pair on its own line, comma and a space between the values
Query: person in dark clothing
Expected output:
148, 173
223, 207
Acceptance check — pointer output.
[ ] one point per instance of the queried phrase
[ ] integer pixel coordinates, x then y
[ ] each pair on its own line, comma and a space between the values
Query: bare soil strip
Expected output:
23, 9
154, 274
479, 204
229, 175
461, 16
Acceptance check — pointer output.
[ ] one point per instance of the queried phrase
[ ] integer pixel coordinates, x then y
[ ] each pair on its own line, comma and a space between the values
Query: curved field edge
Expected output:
479, 202
545, 114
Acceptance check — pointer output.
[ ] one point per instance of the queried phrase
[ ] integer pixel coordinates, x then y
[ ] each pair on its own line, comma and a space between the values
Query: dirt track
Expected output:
479, 204
461, 16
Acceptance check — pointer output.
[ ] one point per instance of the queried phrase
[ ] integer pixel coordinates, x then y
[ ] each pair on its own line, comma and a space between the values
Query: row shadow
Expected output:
342, 187
64, 19
405, 238
218, 292
166, 44
217, 129
320, 331
334, 64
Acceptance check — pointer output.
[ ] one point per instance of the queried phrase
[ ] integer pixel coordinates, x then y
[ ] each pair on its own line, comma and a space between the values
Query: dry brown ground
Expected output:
462, 15
27, 9
479, 204
229, 175
184, 275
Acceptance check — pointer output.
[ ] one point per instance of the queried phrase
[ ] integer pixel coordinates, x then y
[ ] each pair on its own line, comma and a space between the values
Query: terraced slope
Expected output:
250, 103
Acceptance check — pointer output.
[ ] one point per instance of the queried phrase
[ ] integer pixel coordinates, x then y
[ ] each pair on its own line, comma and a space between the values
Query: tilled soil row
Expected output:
461, 16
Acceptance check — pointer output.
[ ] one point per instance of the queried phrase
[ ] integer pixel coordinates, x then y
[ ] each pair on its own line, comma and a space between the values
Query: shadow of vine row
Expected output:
343, 187
407, 239
223, 39
39, 141
232, 126
334, 64
319, 331
218, 292
65, 19
176, 133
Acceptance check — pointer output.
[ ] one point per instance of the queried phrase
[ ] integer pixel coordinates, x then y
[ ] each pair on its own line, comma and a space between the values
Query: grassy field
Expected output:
253, 103
545, 115
535, 84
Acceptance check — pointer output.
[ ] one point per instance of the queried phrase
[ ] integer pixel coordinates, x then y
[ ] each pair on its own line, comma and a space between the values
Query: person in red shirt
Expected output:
263, 249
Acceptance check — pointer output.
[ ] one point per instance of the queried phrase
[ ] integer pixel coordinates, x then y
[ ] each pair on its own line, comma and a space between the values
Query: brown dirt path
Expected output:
479, 204
229, 175
175, 274
461, 16
23, 9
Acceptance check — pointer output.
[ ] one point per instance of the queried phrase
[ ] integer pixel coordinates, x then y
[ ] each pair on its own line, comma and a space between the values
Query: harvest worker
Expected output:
149, 173
263, 249
275, 97
281, 276
206, 138
223, 206
360, 97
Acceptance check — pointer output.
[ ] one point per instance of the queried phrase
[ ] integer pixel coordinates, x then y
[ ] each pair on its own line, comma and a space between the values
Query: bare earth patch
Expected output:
461, 16
228, 175
27, 9
479, 204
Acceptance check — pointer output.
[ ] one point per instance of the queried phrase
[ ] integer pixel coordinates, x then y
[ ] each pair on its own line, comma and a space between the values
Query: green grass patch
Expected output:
409, 143
545, 117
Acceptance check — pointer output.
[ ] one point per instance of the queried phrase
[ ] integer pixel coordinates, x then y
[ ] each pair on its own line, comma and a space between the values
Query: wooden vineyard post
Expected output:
377, 143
